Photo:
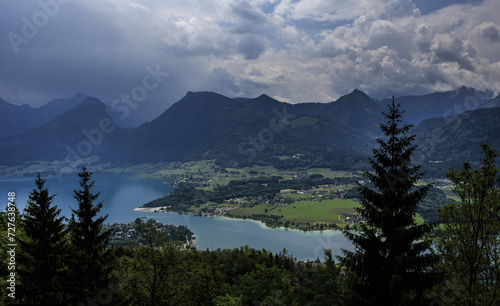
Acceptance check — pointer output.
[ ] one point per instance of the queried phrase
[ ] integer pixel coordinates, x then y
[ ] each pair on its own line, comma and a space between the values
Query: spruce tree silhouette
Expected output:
91, 264
43, 250
390, 264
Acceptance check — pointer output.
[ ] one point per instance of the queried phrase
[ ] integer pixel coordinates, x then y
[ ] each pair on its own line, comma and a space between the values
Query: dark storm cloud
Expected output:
489, 31
249, 19
293, 50
251, 46
453, 51
74, 51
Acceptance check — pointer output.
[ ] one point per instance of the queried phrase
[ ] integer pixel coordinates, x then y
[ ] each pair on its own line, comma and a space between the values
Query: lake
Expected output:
121, 194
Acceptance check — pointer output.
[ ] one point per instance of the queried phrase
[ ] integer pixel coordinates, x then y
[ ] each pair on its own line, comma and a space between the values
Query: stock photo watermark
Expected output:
95, 137
140, 92
31, 26
11, 245
265, 135
105, 296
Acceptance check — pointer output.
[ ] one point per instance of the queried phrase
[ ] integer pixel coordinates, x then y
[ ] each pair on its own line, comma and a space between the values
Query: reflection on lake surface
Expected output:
121, 194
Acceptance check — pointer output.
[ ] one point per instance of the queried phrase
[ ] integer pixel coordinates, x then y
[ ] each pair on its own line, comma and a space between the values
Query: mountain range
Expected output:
15, 119
443, 104
71, 134
246, 131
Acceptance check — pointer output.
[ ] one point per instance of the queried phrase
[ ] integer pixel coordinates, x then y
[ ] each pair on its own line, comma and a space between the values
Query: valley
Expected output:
271, 152
242, 158
308, 206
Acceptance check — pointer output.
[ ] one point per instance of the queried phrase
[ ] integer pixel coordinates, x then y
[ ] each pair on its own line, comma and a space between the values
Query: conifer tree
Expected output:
43, 249
91, 266
390, 262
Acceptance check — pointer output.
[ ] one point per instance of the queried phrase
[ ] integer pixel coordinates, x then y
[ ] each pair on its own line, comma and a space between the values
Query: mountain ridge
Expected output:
446, 137
243, 132
440, 104
83, 129
15, 119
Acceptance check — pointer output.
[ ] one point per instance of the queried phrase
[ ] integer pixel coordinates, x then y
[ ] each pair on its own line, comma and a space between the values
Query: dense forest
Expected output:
50, 260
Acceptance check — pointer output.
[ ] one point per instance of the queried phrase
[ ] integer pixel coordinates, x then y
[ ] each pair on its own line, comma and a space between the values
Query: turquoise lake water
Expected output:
121, 194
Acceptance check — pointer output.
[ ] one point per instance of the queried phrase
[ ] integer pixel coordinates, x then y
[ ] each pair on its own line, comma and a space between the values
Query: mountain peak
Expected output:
89, 108
205, 105
18, 118
470, 91
355, 110
356, 96
80, 95
191, 94
466, 89
264, 96
202, 99
85, 130
439, 104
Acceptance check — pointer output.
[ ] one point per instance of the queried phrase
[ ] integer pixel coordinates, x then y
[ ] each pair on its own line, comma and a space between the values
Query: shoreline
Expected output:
188, 242
151, 209
262, 224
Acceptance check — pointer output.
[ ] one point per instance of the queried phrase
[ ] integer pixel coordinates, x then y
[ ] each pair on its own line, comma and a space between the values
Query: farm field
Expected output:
331, 173
326, 211
313, 212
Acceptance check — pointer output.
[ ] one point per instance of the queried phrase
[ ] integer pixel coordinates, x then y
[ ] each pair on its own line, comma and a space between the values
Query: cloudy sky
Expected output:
293, 50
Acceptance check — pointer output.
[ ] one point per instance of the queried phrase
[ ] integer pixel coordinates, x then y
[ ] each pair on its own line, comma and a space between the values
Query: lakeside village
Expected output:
317, 194
124, 234
274, 215
312, 200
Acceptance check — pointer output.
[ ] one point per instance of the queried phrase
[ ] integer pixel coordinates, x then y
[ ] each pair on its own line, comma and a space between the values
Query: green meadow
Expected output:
307, 211
326, 211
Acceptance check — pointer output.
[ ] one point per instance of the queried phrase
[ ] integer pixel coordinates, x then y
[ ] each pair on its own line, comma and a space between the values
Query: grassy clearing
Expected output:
296, 196
344, 187
304, 211
284, 157
210, 188
419, 220
261, 169
314, 212
330, 173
